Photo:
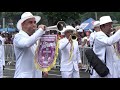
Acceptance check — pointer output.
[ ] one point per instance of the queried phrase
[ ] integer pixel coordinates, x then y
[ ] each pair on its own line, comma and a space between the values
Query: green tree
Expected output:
68, 17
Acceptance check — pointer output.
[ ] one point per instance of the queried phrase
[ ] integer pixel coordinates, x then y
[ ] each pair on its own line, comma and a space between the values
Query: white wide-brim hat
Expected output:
105, 19
68, 28
25, 16
96, 24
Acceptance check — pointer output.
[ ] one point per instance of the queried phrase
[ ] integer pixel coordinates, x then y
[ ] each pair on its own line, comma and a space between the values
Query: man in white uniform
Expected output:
104, 44
96, 28
2, 56
70, 55
3, 43
25, 46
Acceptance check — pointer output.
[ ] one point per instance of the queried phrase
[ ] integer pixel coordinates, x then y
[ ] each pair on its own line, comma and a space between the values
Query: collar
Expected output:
23, 33
105, 34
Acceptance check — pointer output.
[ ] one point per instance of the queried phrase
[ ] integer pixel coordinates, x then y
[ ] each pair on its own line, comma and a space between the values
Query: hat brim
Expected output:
19, 26
95, 26
68, 30
106, 23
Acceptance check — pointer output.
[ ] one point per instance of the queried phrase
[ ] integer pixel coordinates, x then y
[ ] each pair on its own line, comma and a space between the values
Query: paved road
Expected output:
54, 73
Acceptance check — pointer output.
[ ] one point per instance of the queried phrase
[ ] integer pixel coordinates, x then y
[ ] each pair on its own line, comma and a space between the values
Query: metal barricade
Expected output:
9, 54
83, 57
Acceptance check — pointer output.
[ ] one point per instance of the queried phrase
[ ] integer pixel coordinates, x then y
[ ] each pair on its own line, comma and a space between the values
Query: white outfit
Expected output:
2, 56
85, 38
69, 69
3, 50
24, 47
92, 37
104, 43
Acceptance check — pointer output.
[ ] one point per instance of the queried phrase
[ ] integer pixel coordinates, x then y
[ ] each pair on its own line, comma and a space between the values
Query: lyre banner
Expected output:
46, 52
117, 49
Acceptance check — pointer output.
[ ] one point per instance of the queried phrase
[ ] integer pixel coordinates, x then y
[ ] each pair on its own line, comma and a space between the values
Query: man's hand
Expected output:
42, 26
45, 74
70, 39
80, 65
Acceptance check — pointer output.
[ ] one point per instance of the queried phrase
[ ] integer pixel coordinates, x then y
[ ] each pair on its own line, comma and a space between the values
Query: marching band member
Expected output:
2, 56
70, 55
96, 28
25, 44
3, 43
103, 46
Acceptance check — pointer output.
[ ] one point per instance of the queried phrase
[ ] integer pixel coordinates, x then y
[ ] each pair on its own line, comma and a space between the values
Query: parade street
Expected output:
54, 73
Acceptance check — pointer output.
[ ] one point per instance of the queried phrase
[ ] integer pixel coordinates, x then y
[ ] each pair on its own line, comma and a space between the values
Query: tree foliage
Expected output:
68, 17
51, 18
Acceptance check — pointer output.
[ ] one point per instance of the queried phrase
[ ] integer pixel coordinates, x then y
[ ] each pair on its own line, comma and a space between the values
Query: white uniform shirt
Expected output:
65, 64
24, 47
104, 43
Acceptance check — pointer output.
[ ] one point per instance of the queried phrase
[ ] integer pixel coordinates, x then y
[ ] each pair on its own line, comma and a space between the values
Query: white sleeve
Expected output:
102, 40
22, 42
63, 43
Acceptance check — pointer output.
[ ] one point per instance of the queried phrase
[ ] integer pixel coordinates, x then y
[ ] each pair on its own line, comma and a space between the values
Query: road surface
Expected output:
54, 73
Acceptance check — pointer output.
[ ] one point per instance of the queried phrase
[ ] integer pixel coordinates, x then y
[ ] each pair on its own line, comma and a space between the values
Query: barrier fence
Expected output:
83, 57
10, 56
9, 53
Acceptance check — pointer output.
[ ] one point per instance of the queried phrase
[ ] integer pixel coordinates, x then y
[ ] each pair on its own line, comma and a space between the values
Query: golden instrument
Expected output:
74, 36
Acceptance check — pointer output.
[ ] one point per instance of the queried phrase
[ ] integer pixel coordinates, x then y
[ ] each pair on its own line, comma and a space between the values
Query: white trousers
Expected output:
1, 71
70, 74
32, 74
37, 74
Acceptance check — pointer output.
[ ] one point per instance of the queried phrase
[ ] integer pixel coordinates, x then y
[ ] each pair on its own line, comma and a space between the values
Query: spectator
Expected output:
96, 28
